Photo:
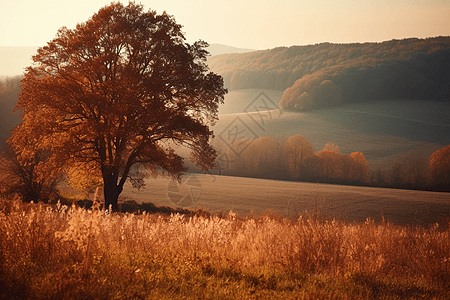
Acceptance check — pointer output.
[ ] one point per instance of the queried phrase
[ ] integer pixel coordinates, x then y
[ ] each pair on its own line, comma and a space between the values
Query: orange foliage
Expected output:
117, 92
262, 158
336, 165
439, 165
297, 149
311, 92
295, 158
330, 161
31, 173
360, 169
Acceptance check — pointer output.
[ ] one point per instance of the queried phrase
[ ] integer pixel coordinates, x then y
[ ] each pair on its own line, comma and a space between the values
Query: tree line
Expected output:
281, 158
294, 158
322, 75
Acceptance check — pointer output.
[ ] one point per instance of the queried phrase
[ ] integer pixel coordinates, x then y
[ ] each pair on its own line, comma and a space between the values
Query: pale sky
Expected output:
251, 24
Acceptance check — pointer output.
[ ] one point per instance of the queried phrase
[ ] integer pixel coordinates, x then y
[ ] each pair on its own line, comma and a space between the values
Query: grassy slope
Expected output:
244, 195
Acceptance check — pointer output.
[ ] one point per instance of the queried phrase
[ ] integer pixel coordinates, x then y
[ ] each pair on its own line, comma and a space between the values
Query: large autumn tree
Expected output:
119, 93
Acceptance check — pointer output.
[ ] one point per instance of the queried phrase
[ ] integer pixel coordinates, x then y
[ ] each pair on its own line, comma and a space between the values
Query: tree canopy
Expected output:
119, 93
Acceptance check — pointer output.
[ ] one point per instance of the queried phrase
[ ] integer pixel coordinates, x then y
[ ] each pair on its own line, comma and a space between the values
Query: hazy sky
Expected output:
252, 24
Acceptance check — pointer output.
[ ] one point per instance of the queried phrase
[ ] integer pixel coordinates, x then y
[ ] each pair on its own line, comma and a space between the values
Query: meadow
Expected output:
60, 252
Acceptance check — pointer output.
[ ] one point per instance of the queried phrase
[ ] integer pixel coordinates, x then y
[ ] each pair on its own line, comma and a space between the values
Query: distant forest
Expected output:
322, 75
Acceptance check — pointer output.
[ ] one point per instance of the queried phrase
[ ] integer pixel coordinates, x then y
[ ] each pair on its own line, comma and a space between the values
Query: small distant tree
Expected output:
439, 168
418, 171
330, 161
297, 149
332, 147
259, 159
378, 177
414, 170
123, 90
360, 168
397, 173
346, 167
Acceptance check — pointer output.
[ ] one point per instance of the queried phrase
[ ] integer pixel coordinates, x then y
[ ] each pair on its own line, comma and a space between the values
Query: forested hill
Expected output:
326, 74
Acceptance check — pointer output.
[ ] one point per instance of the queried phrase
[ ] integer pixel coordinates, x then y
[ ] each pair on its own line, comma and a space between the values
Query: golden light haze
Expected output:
248, 24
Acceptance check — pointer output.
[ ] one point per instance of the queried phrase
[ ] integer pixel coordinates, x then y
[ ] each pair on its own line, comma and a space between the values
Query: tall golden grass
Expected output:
60, 252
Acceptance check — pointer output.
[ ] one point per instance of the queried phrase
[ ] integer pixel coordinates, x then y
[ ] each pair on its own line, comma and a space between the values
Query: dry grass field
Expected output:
58, 252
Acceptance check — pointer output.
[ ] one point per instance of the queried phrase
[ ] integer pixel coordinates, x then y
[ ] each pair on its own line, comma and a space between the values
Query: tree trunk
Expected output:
111, 192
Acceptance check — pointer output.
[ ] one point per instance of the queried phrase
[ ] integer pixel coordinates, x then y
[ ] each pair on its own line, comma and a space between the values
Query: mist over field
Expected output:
385, 131
378, 128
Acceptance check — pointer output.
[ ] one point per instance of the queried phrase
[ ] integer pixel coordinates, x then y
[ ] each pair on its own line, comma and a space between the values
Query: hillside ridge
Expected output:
327, 74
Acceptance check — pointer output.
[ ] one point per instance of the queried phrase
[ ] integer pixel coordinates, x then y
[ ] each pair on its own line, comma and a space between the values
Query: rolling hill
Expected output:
323, 75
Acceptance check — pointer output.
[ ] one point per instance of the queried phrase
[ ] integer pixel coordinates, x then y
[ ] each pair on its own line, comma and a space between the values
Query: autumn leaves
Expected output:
295, 158
113, 96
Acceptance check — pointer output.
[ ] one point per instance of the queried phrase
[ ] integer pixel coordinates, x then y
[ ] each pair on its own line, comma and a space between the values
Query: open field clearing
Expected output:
246, 195
379, 130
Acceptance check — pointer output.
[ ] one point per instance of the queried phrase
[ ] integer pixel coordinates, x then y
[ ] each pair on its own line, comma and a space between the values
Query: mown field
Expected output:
290, 199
